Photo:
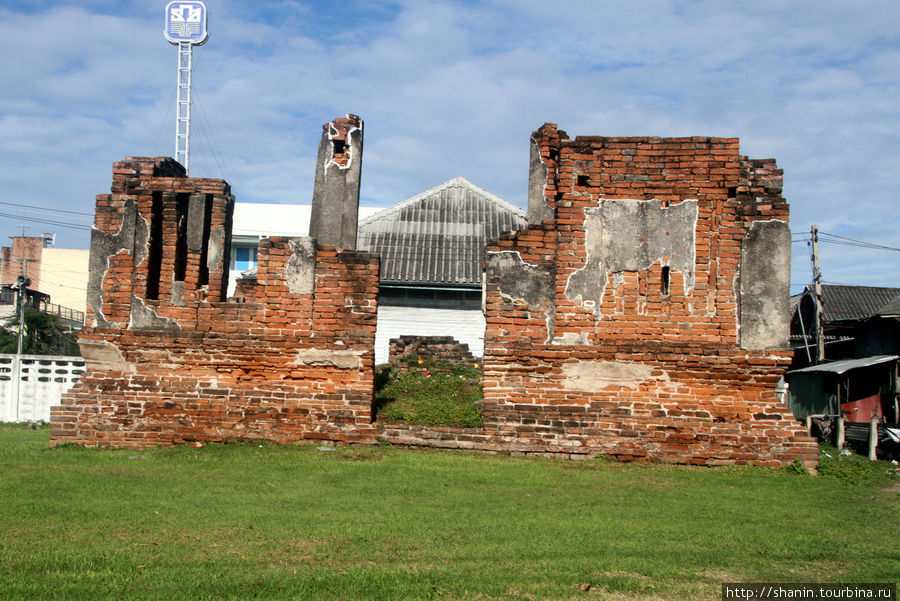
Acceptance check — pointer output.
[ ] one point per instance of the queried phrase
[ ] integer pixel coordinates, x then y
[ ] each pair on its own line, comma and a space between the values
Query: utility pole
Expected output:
817, 290
21, 286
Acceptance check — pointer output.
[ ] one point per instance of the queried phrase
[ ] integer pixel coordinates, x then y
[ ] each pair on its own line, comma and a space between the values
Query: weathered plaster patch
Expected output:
595, 376
523, 282
177, 292
299, 271
215, 250
349, 359
196, 221
571, 339
352, 136
100, 355
764, 286
518, 280
145, 318
132, 238
631, 235
538, 175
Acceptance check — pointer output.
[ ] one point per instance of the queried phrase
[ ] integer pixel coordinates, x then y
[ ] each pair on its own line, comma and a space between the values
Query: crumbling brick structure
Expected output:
446, 349
23, 257
170, 360
643, 314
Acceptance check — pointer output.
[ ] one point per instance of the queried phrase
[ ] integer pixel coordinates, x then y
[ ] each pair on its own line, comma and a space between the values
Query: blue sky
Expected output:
456, 88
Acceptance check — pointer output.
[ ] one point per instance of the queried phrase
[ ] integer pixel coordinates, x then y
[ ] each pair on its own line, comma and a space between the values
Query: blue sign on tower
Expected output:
186, 22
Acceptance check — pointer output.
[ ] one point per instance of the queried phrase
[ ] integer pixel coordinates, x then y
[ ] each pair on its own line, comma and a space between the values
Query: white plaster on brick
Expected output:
332, 132
596, 376
606, 239
349, 359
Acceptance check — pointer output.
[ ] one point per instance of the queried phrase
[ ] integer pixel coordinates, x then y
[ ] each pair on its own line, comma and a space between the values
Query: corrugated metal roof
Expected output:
839, 367
439, 236
892, 309
842, 303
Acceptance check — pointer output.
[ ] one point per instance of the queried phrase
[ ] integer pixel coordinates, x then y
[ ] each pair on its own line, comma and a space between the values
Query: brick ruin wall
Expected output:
644, 311
446, 349
641, 315
169, 360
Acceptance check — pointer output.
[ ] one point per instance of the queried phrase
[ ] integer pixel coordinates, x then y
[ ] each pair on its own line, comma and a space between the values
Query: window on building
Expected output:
244, 258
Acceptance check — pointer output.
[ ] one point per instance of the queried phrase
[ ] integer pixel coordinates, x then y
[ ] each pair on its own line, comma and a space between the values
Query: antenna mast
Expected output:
183, 107
186, 27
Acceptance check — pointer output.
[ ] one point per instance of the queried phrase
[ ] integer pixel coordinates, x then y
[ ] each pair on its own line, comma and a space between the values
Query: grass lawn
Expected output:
268, 522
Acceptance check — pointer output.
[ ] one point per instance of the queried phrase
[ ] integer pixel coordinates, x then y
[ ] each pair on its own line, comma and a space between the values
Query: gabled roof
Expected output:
848, 303
892, 309
439, 236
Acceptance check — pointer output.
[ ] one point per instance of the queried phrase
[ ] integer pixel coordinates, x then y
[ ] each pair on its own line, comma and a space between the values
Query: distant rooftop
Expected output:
439, 236
892, 309
855, 302
851, 303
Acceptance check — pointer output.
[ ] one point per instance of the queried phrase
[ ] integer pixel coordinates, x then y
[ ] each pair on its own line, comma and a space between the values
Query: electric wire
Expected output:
74, 226
37, 208
844, 241
169, 105
212, 143
827, 238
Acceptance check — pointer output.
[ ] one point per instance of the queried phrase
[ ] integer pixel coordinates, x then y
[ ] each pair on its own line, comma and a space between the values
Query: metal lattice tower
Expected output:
183, 107
185, 27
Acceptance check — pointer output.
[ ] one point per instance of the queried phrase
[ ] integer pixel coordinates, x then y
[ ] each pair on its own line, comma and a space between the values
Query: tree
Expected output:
45, 334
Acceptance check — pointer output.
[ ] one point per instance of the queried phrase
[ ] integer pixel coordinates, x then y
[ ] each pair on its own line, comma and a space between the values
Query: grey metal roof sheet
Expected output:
438, 237
855, 302
839, 367
892, 309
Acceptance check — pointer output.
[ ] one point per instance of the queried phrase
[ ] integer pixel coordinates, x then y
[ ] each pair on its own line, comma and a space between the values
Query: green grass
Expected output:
434, 393
269, 522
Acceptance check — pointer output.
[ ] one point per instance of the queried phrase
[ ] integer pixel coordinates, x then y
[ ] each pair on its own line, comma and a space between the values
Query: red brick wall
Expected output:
607, 357
24, 255
293, 361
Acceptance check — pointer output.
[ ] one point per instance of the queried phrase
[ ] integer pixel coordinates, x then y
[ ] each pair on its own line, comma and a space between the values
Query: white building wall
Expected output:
64, 276
466, 326
253, 221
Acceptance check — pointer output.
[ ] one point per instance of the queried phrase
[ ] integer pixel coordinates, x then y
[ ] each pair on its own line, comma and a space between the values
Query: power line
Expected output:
860, 243
74, 226
207, 129
13, 204
843, 241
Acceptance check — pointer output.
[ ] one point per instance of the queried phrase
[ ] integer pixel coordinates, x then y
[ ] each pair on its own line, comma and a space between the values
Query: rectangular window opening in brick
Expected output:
182, 201
664, 281
155, 251
204, 252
